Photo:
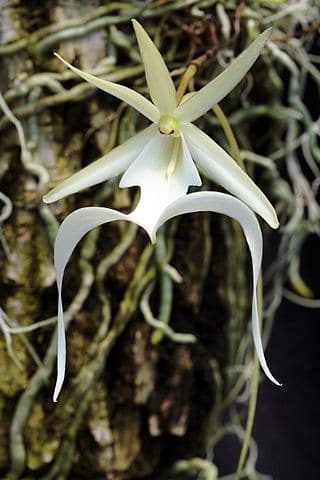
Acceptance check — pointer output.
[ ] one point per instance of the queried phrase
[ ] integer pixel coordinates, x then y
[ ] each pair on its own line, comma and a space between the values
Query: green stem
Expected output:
252, 398
235, 151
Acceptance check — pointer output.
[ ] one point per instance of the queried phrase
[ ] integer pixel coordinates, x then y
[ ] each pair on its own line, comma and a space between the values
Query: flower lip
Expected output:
169, 125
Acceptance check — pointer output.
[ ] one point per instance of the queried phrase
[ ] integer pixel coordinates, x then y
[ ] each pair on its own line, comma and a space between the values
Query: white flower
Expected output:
160, 160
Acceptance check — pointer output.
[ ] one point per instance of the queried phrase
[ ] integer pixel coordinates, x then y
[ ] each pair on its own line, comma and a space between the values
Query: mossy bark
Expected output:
130, 407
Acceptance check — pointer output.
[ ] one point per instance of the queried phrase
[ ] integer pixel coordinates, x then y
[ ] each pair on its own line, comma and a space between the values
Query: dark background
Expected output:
287, 425
287, 422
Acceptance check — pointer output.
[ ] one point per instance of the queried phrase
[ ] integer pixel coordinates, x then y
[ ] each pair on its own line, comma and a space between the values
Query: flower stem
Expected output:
190, 72
234, 147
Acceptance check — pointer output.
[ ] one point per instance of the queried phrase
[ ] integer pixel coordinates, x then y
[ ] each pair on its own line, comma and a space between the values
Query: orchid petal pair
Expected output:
160, 160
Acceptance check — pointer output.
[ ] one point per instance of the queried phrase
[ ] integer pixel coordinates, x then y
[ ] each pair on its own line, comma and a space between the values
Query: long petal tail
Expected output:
72, 229
234, 208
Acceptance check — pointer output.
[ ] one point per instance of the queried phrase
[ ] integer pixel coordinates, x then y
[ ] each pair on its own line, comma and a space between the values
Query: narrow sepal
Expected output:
110, 165
160, 84
220, 86
221, 168
125, 94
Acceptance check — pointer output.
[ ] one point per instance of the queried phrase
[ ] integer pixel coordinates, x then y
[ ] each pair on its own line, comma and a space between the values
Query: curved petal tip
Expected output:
275, 222
48, 198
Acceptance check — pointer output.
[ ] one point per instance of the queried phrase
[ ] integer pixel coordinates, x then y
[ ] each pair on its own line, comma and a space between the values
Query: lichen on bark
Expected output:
135, 403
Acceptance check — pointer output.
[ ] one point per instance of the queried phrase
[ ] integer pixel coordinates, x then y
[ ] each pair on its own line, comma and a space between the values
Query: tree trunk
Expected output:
134, 400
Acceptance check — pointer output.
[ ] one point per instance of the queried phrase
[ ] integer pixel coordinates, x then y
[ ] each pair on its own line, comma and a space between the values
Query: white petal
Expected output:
125, 94
160, 84
221, 85
190, 171
221, 168
72, 229
163, 171
234, 208
110, 165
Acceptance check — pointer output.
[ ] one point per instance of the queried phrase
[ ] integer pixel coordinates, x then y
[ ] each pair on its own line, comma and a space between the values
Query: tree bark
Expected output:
134, 401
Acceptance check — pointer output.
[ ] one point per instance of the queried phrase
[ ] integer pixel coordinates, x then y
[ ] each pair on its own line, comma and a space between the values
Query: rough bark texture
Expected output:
133, 402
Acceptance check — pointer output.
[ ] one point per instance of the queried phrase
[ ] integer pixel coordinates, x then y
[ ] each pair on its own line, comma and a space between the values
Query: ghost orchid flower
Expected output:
160, 160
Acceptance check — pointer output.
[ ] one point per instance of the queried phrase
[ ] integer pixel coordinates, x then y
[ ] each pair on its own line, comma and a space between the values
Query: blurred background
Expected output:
137, 403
